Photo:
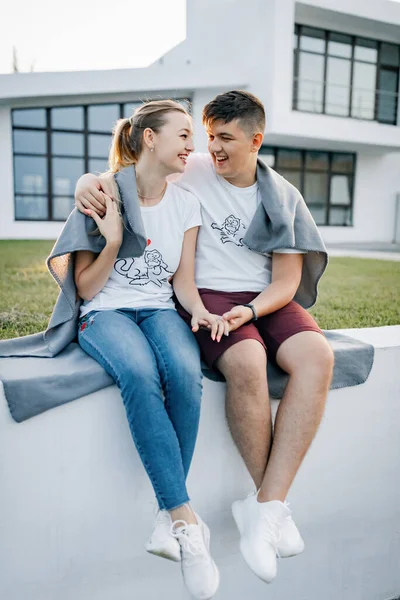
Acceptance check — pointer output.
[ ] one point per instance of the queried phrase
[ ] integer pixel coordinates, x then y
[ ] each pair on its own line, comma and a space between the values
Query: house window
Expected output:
325, 179
344, 75
53, 147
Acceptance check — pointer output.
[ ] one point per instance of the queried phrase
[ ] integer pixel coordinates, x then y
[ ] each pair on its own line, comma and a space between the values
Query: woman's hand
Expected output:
110, 226
215, 323
238, 316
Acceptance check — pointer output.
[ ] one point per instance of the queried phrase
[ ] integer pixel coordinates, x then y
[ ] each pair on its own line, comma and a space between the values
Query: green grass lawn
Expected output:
353, 292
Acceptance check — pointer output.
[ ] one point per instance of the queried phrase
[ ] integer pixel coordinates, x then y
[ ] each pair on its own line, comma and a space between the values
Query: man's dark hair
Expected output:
236, 104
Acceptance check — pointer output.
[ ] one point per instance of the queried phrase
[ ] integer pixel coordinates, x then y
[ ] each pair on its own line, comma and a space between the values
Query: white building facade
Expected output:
326, 70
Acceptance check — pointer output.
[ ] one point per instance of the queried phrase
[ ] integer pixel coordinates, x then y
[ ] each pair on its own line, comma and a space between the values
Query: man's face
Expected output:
231, 148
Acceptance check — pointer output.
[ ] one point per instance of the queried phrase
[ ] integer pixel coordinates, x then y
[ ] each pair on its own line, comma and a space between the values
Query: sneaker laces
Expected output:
271, 531
193, 544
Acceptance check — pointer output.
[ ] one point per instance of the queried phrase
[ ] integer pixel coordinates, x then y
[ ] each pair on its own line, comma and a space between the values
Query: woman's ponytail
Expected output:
122, 153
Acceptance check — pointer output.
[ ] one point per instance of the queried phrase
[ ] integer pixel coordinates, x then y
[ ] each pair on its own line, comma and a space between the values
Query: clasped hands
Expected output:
220, 325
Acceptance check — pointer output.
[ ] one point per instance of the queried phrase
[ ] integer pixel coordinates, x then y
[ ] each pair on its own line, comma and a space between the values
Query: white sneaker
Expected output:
199, 571
162, 543
259, 527
291, 542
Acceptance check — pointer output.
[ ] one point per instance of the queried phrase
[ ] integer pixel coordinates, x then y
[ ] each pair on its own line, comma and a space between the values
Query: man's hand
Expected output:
89, 196
110, 226
215, 323
238, 316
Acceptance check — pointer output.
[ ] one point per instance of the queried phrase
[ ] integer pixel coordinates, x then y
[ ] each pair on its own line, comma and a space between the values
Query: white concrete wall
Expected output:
6, 171
272, 80
76, 506
200, 99
68, 85
229, 30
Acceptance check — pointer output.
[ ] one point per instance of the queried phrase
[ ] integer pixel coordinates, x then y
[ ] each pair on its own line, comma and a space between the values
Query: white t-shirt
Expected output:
145, 282
223, 262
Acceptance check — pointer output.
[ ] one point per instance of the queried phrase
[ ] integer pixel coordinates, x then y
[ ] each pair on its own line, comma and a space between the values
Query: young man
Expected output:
254, 292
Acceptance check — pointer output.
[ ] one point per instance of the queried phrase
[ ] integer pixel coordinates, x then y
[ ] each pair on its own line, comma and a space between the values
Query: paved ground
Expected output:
377, 250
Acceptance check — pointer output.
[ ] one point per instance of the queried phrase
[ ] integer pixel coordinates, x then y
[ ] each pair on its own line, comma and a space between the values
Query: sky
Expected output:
50, 35
86, 34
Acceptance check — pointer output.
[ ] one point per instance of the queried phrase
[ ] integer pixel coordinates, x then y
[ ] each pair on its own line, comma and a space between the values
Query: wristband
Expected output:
253, 310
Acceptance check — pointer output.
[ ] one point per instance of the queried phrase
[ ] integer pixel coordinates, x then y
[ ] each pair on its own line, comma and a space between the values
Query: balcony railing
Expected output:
345, 101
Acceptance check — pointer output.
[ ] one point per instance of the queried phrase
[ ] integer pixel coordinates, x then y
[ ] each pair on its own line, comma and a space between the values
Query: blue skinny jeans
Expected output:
155, 361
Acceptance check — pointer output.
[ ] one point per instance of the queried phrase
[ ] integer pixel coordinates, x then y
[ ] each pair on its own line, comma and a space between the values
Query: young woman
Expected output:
130, 326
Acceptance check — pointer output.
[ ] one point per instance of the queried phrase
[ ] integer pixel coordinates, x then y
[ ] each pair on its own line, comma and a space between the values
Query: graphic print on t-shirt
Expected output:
155, 271
232, 230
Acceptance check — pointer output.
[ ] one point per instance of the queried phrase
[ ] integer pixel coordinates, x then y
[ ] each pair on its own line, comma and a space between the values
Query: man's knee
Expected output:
244, 365
311, 355
321, 358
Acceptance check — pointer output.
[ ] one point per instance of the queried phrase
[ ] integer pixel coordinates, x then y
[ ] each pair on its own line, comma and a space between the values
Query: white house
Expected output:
327, 71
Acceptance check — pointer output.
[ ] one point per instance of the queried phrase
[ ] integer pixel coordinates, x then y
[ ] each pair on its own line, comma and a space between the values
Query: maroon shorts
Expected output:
271, 330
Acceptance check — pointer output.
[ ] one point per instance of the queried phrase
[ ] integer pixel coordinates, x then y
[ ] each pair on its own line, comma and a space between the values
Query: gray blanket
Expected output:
283, 220
35, 384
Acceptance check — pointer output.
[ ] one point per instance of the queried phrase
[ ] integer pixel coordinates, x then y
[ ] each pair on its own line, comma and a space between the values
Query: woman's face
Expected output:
174, 142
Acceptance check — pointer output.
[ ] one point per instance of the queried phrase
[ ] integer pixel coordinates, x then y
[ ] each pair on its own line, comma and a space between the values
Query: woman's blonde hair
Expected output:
127, 143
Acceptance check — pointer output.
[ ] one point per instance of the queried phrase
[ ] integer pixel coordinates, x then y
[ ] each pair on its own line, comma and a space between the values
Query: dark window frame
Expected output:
48, 155
330, 171
379, 65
